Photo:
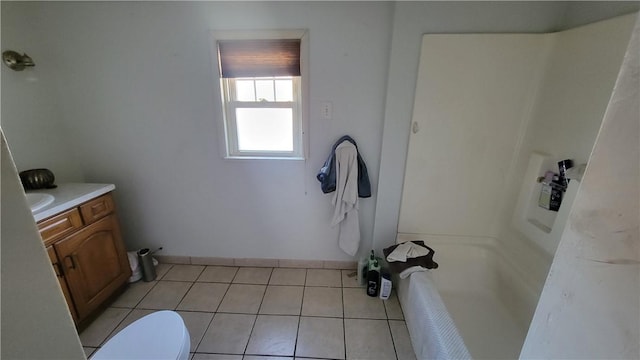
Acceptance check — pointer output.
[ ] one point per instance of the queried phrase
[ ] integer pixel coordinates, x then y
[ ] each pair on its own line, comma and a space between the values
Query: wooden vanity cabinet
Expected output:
90, 260
57, 267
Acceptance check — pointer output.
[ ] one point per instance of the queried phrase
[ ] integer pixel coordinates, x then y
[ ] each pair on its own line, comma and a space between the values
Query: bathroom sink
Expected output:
37, 201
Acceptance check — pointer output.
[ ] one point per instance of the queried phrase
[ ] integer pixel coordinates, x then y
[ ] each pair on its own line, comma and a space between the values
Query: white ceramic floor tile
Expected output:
273, 335
357, 304
203, 297
221, 274
162, 269
184, 273
196, 323
258, 357
368, 339
134, 315
242, 298
166, 295
323, 277
227, 334
322, 301
321, 337
201, 356
282, 300
252, 275
282, 276
350, 278
401, 340
392, 305
134, 293
102, 326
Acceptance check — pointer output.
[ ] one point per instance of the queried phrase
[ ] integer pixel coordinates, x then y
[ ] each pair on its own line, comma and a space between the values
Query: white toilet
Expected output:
160, 335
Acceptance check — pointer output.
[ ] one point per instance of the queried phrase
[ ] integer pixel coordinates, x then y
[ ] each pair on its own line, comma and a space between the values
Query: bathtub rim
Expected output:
529, 284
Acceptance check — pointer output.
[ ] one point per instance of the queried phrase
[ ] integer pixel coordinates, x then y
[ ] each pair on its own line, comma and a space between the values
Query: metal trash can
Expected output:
146, 261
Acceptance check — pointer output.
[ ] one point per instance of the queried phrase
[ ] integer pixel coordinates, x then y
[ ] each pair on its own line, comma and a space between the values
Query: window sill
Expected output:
264, 158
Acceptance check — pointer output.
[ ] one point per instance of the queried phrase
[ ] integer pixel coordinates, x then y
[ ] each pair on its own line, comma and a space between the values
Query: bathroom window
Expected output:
261, 83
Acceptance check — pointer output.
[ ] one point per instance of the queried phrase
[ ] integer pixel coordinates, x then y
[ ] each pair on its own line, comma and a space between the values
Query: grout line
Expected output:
270, 275
109, 335
183, 297
165, 273
295, 344
204, 332
295, 347
255, 320
145, 295
213, 317
393, 342
344, 325
226, 291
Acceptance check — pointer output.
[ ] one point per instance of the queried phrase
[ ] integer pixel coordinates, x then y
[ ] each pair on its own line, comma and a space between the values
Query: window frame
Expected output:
227, 124
231, 104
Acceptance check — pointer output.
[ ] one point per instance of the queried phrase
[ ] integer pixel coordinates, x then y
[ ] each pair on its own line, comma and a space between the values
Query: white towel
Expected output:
410, 270
407, 250
345, 198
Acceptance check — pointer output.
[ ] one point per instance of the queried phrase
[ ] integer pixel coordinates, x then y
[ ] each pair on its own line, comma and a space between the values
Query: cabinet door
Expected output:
95, 263
57, 267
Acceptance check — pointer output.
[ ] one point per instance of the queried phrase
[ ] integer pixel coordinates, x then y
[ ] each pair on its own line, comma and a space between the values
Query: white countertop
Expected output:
69, 195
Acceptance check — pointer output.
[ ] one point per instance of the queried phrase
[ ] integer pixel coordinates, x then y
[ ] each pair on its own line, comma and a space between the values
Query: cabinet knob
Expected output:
71, 261
57, 268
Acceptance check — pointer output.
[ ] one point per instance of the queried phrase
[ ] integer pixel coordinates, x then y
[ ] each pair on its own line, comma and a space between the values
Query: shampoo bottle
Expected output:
373, 278
385, 286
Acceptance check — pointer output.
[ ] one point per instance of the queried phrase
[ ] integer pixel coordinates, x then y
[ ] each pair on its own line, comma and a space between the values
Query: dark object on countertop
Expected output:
35, 179
563, 166
425, 261
327, 174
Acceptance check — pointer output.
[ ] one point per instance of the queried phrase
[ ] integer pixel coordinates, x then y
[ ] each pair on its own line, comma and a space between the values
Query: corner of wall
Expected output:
36, 323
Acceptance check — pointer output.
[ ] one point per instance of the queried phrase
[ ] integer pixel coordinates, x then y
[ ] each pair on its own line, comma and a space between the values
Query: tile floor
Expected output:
264, 313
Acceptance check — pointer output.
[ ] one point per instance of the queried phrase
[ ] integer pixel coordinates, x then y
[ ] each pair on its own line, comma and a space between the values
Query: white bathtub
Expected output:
489, 302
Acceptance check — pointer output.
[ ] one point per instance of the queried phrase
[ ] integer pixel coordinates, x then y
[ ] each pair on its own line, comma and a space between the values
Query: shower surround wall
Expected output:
484, 104
468, 156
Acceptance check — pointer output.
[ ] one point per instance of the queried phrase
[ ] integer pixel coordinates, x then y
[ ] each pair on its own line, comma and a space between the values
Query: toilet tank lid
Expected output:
159, 335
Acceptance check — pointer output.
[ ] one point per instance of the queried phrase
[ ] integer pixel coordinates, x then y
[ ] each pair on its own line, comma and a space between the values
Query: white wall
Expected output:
135, 98
31, 117
36, 323
590, 305
136, 85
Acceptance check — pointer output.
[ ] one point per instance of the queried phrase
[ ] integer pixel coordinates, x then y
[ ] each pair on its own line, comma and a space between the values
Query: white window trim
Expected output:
303, 109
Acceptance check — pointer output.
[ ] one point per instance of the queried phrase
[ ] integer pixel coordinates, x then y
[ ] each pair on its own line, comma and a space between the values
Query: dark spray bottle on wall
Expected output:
373, 276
